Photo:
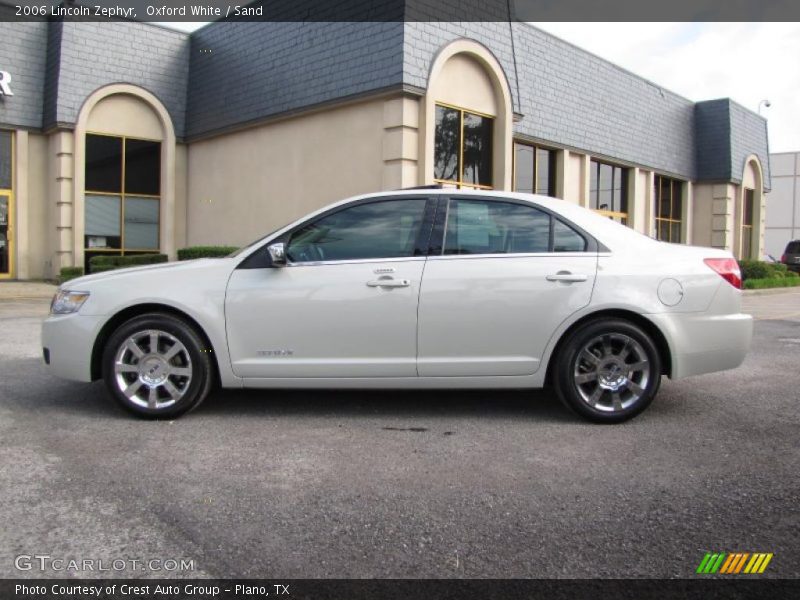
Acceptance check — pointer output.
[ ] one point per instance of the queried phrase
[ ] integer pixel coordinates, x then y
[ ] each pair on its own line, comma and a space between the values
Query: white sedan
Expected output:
421, 288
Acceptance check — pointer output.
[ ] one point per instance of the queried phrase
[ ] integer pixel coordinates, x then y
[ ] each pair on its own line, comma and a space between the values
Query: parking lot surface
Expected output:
404, 484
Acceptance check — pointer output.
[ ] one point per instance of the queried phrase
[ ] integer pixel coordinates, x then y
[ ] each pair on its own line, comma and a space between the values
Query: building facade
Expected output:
783, 217
125, 137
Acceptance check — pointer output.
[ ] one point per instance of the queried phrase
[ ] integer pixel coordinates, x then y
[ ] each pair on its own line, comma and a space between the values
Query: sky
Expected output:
748, 62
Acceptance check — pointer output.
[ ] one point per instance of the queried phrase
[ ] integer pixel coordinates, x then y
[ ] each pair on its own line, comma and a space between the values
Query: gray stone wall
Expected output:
95, 54
570, 97
243, 72
23, 54
748, 135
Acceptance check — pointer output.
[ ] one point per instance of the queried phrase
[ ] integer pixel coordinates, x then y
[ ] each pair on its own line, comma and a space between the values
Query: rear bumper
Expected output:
703, 343
68, 341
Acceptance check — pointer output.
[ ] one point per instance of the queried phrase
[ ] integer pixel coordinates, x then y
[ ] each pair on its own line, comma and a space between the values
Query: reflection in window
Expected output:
566, 239
386, 229
669, 209
123, 187
492, 227
608, 191
447, 144
462, 148
534, 170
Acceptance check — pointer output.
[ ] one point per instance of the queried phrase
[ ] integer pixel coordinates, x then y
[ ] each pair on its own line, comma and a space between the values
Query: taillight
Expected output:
727, 268
783, 258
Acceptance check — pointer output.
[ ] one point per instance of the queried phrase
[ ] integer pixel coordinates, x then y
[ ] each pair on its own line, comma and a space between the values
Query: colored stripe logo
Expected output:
734, 563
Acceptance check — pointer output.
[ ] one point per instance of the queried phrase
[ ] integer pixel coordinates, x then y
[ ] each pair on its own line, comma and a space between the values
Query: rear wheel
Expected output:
157, 366
608, 371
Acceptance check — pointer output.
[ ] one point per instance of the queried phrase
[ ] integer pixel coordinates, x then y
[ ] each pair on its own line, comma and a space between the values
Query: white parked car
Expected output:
421, 288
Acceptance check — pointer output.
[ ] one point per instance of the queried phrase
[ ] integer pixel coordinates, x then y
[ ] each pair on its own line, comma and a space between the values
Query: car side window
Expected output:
492, 227
566, 239
383, 229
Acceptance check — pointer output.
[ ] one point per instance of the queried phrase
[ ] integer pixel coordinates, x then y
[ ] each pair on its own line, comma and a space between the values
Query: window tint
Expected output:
385, 229
142, 167
103, 163
545, 172
793, 248
566, 239
490, 227
524, 174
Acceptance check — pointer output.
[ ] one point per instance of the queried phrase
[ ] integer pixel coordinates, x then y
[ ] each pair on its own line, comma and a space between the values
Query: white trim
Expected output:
502, 152
167, 216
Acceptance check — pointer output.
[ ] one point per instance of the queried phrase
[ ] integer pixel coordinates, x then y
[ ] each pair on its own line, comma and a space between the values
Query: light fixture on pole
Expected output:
765, 103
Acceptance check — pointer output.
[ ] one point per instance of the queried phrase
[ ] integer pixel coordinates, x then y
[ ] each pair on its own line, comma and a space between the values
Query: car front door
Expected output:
345, 305
508, 275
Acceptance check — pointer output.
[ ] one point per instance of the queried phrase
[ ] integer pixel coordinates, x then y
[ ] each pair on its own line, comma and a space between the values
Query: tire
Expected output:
607, 371
157, 377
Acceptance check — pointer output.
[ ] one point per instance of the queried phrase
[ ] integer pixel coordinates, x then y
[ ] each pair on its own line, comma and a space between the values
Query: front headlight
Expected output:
66, 302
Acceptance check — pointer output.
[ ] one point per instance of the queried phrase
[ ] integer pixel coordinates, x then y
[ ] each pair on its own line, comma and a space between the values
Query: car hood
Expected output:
144, 270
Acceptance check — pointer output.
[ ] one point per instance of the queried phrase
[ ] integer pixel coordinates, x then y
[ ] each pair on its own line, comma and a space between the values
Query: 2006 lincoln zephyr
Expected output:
418, 288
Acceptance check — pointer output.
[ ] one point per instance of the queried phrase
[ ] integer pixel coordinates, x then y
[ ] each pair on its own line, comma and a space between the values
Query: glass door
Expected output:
5, 234
6, 205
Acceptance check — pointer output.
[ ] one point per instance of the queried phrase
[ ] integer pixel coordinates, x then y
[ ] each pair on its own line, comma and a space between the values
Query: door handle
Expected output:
389, 283
567, 277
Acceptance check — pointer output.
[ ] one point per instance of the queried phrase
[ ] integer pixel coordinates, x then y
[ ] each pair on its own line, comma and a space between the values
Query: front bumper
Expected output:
702, 343
69, 340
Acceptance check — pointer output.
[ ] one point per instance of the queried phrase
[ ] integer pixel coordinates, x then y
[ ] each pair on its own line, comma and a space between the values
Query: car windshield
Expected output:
793, 247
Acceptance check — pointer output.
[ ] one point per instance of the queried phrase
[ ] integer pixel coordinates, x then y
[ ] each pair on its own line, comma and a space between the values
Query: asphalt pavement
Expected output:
314, 484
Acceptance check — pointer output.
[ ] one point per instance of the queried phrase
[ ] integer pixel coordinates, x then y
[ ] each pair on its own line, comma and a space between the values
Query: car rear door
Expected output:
346, 303
506, 275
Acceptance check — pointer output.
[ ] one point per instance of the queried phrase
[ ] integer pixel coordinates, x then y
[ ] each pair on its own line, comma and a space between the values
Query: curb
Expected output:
24, 298
771, 291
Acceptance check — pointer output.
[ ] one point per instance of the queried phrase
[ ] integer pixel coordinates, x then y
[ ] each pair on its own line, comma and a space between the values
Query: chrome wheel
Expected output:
152, 368
611, 372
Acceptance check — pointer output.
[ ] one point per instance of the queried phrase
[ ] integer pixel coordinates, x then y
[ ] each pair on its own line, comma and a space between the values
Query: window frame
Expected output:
121, 196
460, 183
259, 258
623, 216
657, 218
552, 188
436, 248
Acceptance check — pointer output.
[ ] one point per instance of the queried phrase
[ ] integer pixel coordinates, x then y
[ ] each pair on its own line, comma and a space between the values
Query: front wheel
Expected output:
157, 366
608, 371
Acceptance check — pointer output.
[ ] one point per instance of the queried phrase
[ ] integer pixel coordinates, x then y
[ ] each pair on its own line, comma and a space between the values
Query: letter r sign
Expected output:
5, 79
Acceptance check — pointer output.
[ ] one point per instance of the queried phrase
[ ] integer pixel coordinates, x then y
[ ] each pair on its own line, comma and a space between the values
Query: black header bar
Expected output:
402, 10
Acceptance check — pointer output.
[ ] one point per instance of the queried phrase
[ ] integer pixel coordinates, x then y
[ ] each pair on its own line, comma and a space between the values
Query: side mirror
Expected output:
277, 254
